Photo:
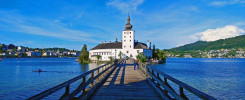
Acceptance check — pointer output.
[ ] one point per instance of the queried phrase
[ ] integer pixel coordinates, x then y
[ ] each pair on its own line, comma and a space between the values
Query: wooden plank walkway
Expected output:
125, 83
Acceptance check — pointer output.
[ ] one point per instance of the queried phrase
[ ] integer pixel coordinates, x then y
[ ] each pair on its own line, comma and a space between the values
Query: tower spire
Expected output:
128, 26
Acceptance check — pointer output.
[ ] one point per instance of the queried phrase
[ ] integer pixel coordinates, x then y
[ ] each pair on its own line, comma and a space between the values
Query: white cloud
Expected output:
226, 2
124, 6
15, 22
218, 33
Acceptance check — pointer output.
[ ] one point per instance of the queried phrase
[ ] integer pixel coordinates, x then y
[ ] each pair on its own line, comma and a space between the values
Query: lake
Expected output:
222, 78
17, 81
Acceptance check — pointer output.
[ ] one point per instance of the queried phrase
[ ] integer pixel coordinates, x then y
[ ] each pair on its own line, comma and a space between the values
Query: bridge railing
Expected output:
160, 82
96, 77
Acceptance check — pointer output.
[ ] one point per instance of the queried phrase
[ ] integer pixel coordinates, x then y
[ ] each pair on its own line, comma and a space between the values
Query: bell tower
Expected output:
128, 38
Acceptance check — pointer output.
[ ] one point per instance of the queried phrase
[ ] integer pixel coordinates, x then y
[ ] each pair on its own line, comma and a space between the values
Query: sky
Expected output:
72, 23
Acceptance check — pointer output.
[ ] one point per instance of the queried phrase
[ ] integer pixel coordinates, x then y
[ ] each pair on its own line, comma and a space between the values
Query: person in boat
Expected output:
39, 70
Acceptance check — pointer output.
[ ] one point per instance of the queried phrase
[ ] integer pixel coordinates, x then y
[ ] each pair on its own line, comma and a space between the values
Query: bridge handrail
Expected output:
149, 71
67, 83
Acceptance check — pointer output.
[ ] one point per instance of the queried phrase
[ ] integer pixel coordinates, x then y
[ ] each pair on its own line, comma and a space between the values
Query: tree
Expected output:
84, 57
24, 54
141, 57
154, 51
111, 58
120, 54
98, 57
161, 55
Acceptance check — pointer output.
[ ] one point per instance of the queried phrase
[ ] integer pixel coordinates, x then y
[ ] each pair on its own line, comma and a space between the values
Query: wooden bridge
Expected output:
119, 80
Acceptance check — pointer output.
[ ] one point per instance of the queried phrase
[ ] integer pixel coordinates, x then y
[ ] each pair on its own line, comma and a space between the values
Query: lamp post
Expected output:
115, 53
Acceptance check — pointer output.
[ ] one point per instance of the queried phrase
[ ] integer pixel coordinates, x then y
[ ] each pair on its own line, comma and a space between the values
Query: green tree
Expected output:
24, 54
84, 57
141, 57
14, 49
161, 55
120, 54
154, 51
98, 57
111, 58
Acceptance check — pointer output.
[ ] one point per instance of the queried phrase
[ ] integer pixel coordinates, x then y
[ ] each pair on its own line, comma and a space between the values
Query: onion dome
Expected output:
128, 26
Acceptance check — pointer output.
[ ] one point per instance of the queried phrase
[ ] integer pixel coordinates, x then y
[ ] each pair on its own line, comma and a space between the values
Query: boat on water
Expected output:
39, 70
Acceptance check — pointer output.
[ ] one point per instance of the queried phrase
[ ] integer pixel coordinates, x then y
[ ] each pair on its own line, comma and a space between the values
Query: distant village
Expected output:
222, 53
21, 51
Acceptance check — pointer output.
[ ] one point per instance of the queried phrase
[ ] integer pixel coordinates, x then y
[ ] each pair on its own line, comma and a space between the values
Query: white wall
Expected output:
128, 42
105, 53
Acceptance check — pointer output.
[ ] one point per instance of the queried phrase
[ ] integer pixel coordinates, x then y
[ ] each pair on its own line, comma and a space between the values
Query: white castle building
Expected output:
129, 47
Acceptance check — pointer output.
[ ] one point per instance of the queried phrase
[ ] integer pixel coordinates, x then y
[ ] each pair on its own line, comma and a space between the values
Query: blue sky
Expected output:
72, 23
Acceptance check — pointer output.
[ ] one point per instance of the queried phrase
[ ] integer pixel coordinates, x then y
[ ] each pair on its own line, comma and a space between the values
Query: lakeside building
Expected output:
129, 47
35, 53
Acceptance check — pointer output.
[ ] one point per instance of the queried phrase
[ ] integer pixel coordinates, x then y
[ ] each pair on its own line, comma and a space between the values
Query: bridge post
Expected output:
181, 90
92, 83
84, 80
159, 79
153, 75
98, 71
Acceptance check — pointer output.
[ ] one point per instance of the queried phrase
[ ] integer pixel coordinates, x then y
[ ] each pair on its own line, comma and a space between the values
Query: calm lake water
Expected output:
220, 78
17, 81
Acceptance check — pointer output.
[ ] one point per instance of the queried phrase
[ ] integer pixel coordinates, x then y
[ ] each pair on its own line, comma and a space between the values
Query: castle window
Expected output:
138, 51
130, 32
124, 46
124, 36
130, 46
127, 51
130, 40
130, 36
124, 40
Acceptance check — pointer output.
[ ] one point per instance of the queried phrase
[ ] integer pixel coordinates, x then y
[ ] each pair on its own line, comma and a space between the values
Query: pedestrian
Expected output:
136, 64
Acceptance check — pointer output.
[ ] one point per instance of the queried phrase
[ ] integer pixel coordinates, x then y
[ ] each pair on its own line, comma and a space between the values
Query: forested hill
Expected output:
235, 42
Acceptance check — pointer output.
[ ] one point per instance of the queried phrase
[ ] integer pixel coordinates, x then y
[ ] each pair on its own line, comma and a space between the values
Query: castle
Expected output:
128, 47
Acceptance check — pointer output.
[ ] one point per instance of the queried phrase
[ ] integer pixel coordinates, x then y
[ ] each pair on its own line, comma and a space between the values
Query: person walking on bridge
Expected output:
136, 64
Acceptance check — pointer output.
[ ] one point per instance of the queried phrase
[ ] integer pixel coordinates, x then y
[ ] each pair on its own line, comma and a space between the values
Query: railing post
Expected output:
91, 77
158, 78
84, 80
165, 81
147, 72
153, 75
181, 90
98, 71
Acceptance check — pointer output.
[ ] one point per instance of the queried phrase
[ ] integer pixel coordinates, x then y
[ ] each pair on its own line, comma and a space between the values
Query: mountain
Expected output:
229, 43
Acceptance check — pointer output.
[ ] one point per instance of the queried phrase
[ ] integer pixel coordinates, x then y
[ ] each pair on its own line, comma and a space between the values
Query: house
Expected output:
128, 47
33, 53
20, 49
